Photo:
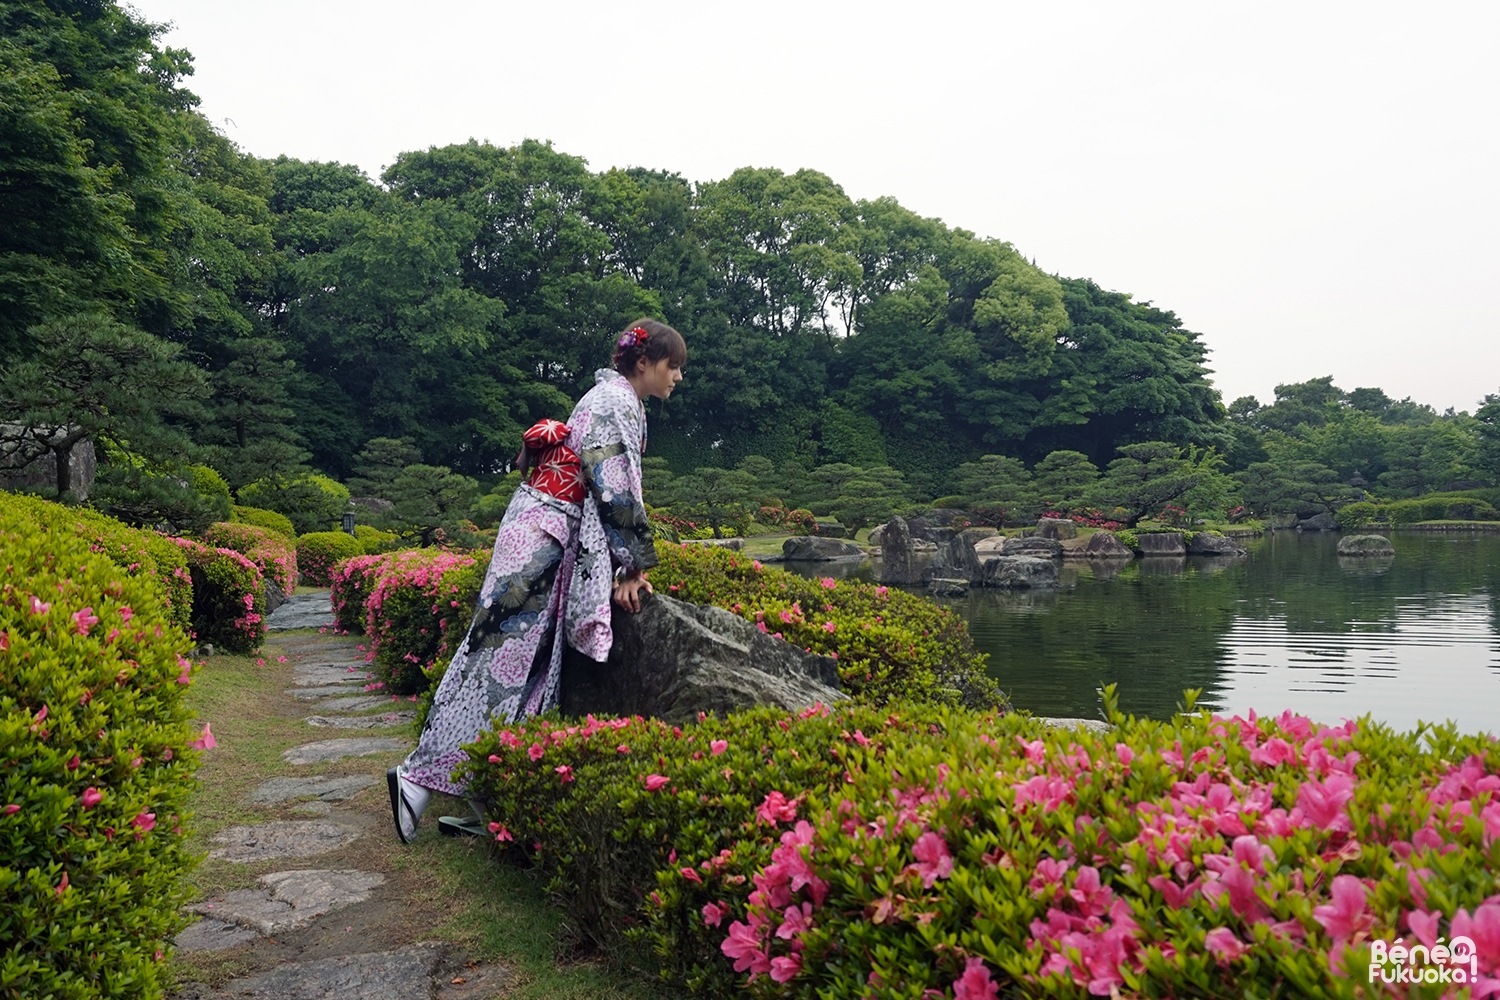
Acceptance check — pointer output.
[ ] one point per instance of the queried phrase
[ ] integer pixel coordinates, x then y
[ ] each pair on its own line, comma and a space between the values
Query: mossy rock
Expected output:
1365, 545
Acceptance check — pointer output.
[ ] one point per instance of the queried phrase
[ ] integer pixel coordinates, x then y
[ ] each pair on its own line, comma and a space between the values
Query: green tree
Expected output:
1297, 487
249, 429
1149, 475
380, 463
1487, 420
871, 496
94, 379
312, 501
1064, 478
429, 498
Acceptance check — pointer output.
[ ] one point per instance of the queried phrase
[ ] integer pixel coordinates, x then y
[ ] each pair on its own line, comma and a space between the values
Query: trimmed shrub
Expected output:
317, 552
888, 643
208, 483
229, 601
1438, 507
313, 502
137, 552
614, 812
270, 550
351, 581
97, 767
417, 612
279, 523
374, 540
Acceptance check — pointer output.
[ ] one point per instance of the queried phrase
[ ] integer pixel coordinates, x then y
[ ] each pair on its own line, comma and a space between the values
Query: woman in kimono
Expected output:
574, 537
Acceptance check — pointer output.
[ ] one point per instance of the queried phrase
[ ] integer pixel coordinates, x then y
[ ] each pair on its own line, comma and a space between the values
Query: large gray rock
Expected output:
873, 539
313, 610
977, 535
1318, 522
1377, 546
212, 935
956, 561
1039, 548
812, 548
281, 839
290, 900
673, 660
939, 586
275, 596
328, 750
361, 703
274, 791
1059, 528
1020, 573
829, 529
16, 473
404, 974
1161, 543
1103, 545
897, 558
1206, 544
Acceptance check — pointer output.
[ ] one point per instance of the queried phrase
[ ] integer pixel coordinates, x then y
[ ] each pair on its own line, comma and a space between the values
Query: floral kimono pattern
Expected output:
550, 580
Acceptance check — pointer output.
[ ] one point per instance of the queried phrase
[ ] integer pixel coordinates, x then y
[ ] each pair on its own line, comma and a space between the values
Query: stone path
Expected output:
277, 929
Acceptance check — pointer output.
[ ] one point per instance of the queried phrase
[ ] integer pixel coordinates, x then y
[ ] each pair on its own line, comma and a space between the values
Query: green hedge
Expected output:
888, 643
97, 766
1439, 507
279, 523
138, 552
312, 502
317, 552
229, 599
270, 550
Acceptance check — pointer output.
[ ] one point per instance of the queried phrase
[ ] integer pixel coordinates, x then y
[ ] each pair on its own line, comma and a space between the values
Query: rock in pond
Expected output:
1318, 522
1207, 544
1103, 545
733, 544
1032, 545
944, 586
673, 660
1020, 572
897, 564
1161, 543
812, 548
1059, 528
1366, 545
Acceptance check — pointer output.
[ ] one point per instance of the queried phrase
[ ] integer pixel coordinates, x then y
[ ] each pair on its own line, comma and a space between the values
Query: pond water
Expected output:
1289, 626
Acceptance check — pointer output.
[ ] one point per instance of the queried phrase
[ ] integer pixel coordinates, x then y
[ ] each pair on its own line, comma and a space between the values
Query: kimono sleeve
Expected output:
612, 472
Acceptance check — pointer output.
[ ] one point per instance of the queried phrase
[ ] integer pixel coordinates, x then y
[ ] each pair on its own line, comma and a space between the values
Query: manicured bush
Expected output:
317, 551
612, 811
888, 643
97, 766
1442, 506
229, 601
313, 502
261, 518
374, 540
351, 582
417, 612
138, 552
271, 551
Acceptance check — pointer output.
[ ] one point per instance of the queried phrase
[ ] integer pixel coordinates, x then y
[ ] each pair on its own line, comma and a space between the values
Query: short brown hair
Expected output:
661, 341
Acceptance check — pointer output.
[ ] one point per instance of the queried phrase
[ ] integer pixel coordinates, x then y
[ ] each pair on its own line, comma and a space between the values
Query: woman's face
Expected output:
657, 379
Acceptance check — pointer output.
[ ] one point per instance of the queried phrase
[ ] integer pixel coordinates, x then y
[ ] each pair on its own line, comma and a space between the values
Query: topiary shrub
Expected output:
279, 523
317, 551
350, 583
271, 551
97, 768
888, 643
417, 612
313, 502
374, 540
229, 600
138, 552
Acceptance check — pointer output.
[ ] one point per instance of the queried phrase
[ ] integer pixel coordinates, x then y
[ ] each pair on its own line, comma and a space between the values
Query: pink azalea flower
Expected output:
85, 620
1125, 754
1322, 803
500, 832
10, 810
622, 748
4, 640
565, 773
535, 751
206, 741
91, 797
744, 946
1424, 926
776, 808
828, 583
691, 875
1346, 915
784, 967
829, 627
126, 614
1049, 871
144, 822
39, 607
713, 914
655, 782
975, 983
1224, 946
717, 747
933, 860
1484, 929
186, 677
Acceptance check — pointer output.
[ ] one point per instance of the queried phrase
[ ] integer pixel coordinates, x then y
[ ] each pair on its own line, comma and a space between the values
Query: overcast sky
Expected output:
1312, 186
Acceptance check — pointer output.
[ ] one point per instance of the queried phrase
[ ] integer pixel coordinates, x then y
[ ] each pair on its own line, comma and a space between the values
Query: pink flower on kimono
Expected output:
975, 983
655, 782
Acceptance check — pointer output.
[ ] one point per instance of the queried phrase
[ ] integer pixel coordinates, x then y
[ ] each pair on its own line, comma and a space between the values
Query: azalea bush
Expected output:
229, 599
416, 613
136, 551
350, 583
98, 766
888, 643
1205, 857
318, 551
639, 825
261, 518
270, 550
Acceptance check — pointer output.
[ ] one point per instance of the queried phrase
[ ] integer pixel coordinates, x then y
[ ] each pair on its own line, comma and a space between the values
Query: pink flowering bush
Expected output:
888, 643
416, 613
1202, 857
319, 551
97, 766
272, 552
351, 581
642, 828
139, 553
229, 601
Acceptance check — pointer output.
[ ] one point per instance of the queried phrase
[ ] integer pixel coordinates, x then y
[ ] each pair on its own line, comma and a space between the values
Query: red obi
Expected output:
556, 470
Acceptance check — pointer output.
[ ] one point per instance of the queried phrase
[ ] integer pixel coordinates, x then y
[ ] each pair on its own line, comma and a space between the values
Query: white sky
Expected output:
1312, 186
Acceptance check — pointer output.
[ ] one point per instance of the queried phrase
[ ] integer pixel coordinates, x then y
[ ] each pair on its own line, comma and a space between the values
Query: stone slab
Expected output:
329, 750
324, 690
209, 934
323, 674
281, 839
360, 703
385, 720
289, 900
313, 610
403, 974
313, 808
277, 790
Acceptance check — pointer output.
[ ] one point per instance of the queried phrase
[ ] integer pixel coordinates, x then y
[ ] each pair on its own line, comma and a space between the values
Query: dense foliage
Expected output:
270, 550
229, 599
97, 767
318, 551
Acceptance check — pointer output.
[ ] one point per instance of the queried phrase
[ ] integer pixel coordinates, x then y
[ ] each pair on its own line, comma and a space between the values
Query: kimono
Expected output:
550, 579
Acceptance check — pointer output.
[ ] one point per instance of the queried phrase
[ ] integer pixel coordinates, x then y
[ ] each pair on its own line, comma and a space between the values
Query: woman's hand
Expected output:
628, 591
